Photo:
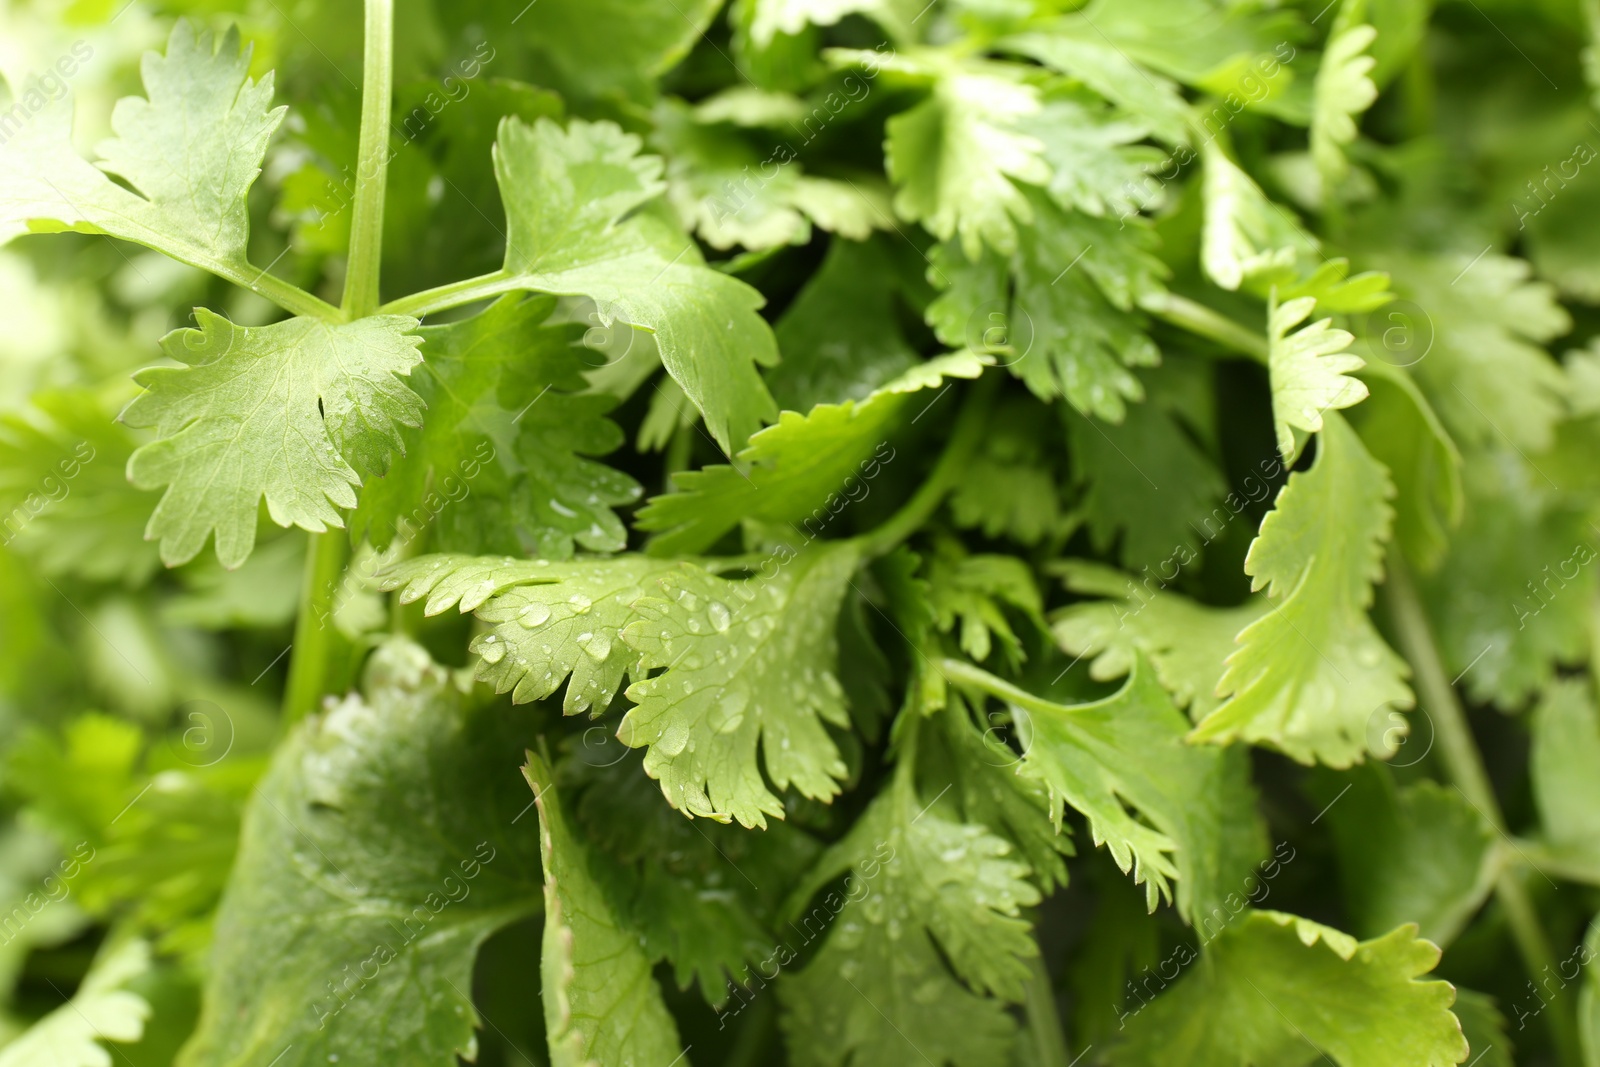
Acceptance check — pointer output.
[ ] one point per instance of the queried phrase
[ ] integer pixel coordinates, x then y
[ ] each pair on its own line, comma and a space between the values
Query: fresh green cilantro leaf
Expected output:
568, 196
973, 590
955, 157
601, 1004
704, 896
1309, 675
1402, 431
1335, 290
730, 193
925, 895
1310, 371
1146, 483
772, 17
1187, 643
989, 792
296, 413
102, 1010
598, 47
840, 340
747, 662
263, 593
500, 463
1279, 989
1200, 42
65, 501
378, 852
1127, 754
1482, 322
1511, 600
190, 151
1419, 853
1343, 91
1566, 746
1010, 487
1068, 326
1097, 165
551, 620
801, 471
1073, 48
1247, 238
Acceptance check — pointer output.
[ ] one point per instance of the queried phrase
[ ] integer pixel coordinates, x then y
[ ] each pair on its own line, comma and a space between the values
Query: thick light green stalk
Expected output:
1464, 765
327, 551
372, 163
313, 629
1198, 319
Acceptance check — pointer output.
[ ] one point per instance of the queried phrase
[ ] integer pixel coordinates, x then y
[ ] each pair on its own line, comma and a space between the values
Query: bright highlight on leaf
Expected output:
1310, 371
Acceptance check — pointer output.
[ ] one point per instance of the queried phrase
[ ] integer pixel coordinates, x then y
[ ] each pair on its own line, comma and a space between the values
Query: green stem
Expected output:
957, 670
964, 440
455, 294
313, 630
372, 163
1044, 1024
286, 295
1463, 764
1198, 319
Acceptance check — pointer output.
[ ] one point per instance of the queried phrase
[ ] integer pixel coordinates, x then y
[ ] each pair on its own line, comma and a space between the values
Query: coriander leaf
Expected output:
1187, 643
1566, 748
1343, 91
955, 157
1485, 371
1126, 754
1402, 431
101, 1010
801, 471
296, 412
1196, 41
1077, 279
1511, 599
65, 501
1309, 369
1279, 989
772, 17
839, 338
1009, 487
1074, 48
550, 620
378, 852
973, 590
597, 47
190, 150
501, 462
1419, 853
601, 1004
568, 194
922, 890
1069, 327
702, 895
1247, 237
747, 662
730, 193
1146, 482
1309, 675
1097, 165
989, 792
